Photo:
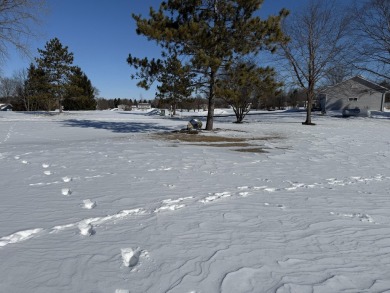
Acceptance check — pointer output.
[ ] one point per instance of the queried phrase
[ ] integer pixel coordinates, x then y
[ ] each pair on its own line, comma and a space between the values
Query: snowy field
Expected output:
96, 202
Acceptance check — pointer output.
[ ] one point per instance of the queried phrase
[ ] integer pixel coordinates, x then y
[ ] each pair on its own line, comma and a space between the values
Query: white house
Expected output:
355, 93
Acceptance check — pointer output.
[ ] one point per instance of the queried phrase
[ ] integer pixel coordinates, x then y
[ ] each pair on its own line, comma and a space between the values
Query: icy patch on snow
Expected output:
122, 291
47, 172
130, 257
45, 165
19, 236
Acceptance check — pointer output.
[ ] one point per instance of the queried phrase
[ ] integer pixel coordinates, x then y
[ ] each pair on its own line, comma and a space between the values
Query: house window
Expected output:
352, 99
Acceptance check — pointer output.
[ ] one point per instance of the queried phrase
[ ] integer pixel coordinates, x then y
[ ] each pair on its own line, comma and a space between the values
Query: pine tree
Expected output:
175, 83
56, 62
36, 89
209, 33
80, 93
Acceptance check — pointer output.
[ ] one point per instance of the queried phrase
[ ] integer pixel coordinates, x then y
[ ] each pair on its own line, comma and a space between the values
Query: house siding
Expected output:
354, 93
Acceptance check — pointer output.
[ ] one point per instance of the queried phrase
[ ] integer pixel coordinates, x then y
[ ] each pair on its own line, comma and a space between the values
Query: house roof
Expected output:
3, 106
360, 79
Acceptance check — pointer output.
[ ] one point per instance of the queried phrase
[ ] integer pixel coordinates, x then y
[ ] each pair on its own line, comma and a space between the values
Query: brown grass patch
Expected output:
251, 150
239, 144
197, 137
225, 145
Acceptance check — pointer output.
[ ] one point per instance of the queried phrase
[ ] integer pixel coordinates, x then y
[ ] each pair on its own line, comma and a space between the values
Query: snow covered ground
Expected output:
95, 202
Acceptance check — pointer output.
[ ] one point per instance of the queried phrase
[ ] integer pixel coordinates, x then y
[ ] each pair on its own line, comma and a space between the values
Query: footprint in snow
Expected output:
86, 229
243, 187
66, 179
359, 216
88, 204
216, 196
172, 204
66, 191
130, 257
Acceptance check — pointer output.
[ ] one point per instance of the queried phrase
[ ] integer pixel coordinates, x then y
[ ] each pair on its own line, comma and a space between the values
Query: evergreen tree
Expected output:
36, 87
80, 93
175, 83
56, 62
209, 33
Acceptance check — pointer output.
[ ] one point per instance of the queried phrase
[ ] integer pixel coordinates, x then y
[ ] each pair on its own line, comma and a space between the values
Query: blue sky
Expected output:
101, 34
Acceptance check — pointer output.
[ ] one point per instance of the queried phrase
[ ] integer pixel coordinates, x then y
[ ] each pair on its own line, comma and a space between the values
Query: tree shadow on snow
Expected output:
118, 127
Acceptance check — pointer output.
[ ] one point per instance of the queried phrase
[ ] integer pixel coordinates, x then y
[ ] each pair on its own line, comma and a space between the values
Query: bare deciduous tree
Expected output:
17, 24
7, 88
318, 40
372, 32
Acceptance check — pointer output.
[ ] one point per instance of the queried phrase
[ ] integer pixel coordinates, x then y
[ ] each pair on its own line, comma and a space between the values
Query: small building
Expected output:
5, 107
123, 107
355, 93
144, 106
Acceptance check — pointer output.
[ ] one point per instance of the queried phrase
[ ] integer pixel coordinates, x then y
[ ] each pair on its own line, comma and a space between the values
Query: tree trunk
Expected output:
210, 112
310, 95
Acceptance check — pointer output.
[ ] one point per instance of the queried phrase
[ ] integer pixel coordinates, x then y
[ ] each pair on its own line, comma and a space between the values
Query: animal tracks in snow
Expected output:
19, 236
88, 226
358, 216
216, 196
85, 227
173, 204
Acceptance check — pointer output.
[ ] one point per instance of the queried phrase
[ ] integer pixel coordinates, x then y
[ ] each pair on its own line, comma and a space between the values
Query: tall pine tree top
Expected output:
211, 33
